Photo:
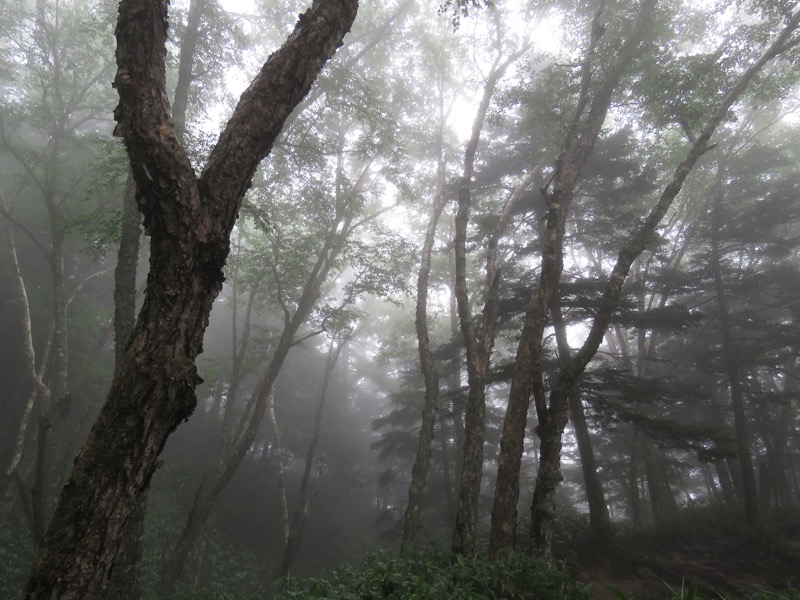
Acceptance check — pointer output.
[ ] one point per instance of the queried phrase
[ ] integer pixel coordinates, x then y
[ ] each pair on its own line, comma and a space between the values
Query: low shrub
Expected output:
434, 577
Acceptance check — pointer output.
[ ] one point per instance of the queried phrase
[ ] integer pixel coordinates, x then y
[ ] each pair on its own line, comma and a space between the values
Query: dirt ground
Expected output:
723, 566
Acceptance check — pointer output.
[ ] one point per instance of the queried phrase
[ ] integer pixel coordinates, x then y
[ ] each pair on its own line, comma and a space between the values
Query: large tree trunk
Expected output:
124, 583
189, 221
245, 433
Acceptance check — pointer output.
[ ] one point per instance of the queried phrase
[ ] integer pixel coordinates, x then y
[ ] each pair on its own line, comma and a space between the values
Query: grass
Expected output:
435, 577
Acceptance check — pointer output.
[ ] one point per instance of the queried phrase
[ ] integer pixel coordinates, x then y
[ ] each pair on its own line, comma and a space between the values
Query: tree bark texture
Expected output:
124, 583
244, 435
125, 272
189, 221
478, 349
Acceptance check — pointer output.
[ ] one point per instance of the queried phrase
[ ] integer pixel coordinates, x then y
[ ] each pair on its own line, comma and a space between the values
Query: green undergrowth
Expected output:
435, 577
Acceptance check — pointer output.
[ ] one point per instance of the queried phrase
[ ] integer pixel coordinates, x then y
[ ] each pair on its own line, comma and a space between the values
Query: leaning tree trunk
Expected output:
243, 437
527, 377
419, 471
189, 220
306, 494
125, 582
599, 519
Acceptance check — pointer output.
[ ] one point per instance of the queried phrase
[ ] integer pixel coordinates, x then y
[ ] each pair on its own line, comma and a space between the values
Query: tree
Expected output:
430, 374
189, 220
581, 136
542, 509
51, 108
552, 412
478, 345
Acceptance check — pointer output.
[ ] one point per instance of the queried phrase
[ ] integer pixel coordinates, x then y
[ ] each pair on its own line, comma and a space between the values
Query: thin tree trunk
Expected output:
633, 475
662, 500
599, 519
478, 349
419, 471
305, 495
124, 583
38, 389
731, 365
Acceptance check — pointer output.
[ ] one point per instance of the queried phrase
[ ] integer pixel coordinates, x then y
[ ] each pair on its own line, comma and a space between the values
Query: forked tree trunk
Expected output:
189, 221
527, 377
478, 347
552, 417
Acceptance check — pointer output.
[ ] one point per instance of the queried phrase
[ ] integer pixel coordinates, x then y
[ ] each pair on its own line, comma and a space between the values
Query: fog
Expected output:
514, 282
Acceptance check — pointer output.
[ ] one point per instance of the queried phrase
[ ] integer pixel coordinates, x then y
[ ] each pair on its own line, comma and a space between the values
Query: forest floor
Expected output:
729, 563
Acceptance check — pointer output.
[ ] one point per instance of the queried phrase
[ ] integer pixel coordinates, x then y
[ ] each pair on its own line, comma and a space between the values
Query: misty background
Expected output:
318, 306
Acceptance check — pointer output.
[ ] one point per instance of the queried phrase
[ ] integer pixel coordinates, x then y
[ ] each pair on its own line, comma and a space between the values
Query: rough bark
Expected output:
478, 349
662, 498
125, 272
189, 221
245, 434
124, 583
